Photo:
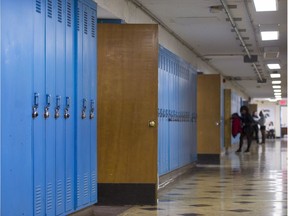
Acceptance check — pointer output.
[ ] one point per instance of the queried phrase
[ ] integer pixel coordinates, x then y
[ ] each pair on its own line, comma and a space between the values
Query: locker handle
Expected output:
66, 112
92, 109
35, 106
57, 108
46, 109
84, 106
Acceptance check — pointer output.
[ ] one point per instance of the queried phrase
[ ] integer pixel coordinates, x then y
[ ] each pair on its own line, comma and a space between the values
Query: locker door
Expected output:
16, 142
49, 106
68, 101
38, 94
86, 102
93, 102
57, 110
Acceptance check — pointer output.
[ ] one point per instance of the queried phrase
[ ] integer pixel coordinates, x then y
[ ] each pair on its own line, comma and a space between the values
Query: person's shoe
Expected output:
247, 151
238, 151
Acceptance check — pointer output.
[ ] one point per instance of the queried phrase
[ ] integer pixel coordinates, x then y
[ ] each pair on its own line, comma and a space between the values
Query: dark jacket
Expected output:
247, 123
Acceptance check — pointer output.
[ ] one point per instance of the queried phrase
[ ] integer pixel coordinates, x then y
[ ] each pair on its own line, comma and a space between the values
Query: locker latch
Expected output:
92, 110
66, 111
57, 108
46, 109
35, 106
84, 106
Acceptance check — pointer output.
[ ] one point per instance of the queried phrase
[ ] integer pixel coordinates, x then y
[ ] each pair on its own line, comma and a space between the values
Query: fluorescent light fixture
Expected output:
276, 82
277, 90
276, 86
269, 35
277, 93
275, 75
273, 66
265, 5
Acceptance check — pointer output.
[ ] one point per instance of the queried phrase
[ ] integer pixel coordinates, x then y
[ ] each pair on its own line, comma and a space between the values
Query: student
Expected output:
261, 122
247, 129
271, 130
236, 124
255, 126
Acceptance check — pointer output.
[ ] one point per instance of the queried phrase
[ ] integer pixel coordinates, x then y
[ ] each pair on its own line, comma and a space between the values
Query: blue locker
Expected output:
16, 136
86, 104
68, 103
93, 104
38, 95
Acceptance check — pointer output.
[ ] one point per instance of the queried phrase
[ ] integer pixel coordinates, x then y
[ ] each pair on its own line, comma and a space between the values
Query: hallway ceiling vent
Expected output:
271, 52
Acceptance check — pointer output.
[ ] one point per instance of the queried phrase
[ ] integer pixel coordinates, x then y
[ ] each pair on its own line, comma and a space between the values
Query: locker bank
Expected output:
102, 105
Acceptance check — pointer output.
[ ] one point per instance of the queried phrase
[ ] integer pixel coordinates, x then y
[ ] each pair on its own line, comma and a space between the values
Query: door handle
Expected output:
57, 109
46, 110
152, 124
66, 111
35, 106
84, 106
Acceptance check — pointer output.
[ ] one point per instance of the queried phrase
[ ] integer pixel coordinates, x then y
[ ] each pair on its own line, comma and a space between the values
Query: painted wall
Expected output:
284, 116
127, 11
274, 115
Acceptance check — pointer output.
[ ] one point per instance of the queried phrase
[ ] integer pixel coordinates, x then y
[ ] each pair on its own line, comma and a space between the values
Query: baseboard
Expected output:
208, 159
127, 194
170, 177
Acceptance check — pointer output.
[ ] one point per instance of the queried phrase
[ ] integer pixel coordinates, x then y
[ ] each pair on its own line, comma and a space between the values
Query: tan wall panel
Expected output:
208, 112
227, 118
127, 101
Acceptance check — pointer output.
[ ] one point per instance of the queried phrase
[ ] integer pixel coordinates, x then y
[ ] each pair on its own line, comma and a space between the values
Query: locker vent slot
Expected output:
69, 14
38, 6
50, 8
86, 185
49, 197
93, 182
78, 187
59, 5
59, 193
85, 22
68, 190
78, 16
93, 29
38, 202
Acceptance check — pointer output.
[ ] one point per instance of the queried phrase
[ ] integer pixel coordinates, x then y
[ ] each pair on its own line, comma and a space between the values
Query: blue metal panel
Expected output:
16, 66
59, 104
93, 104
86, 98
0, 105
50, 104
177, 98
39, 97
69, 104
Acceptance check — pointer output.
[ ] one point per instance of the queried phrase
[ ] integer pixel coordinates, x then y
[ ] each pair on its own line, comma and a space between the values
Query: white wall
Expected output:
283, 116
276, 109
130, 13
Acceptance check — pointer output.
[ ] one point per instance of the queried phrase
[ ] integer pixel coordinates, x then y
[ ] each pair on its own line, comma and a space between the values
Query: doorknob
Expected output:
217, 123
152, 124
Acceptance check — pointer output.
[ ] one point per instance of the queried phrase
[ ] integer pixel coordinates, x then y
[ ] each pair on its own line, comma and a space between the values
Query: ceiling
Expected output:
211, 35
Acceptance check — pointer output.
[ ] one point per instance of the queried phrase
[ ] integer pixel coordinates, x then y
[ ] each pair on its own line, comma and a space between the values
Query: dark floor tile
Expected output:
174, 194
213, 191
200, 205
247, 195
244, 202
240, 210
191, 214
151, 209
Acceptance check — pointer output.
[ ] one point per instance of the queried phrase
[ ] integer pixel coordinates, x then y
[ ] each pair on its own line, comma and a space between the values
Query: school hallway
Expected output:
244, 184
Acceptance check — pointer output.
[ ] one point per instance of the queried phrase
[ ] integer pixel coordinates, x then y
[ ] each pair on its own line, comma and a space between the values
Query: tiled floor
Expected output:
244, 184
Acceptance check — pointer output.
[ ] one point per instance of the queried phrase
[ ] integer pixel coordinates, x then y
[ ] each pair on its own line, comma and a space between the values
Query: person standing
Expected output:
247, 128
262, 122
255, 126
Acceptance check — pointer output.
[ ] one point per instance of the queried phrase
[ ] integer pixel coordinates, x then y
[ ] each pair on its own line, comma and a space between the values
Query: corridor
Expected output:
244, 184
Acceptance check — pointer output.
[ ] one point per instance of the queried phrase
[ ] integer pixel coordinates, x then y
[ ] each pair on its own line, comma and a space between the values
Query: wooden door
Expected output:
209, 118
227, 117
127, 102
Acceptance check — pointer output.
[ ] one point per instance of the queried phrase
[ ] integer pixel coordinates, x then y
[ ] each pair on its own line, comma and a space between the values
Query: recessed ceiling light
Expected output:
266, 5
277, 93
276, 82
275, 75
277, 90
273, 66
276, 86
269, 35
